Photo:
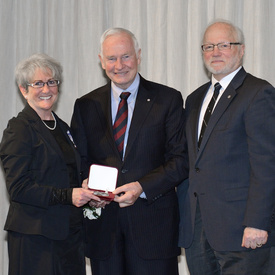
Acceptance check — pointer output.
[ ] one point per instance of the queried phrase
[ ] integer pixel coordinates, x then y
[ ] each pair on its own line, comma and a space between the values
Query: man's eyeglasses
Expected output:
40, 84
221, 46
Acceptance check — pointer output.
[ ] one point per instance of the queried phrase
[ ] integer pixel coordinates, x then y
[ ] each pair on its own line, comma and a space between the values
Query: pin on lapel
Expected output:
148, 99
229, 96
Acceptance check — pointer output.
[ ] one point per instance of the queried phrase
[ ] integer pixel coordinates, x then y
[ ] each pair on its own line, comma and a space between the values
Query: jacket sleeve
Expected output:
259, 123
17, 151
175, 167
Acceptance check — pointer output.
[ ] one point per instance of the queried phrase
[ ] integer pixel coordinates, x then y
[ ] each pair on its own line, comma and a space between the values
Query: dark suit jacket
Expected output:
33, 164
155, 156
233, 173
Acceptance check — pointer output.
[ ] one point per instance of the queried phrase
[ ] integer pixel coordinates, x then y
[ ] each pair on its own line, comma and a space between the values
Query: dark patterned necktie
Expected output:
209, 111
119, 127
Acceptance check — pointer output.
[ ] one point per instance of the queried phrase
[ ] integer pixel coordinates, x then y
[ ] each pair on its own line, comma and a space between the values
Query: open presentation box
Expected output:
102, 180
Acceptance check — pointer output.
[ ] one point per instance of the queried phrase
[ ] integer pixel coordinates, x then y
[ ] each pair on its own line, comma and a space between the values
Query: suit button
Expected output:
195, 194
197, 170
123, 171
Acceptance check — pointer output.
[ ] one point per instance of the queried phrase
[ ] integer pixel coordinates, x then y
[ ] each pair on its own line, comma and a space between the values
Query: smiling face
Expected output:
221, 63
119, 59
41, 99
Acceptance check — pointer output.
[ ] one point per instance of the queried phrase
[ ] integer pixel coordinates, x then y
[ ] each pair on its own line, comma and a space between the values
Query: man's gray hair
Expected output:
114, 31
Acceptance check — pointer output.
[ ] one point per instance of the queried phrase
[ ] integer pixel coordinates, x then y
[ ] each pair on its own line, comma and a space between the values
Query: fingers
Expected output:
98, 204
85, 184
119, 190
127, 194
125, 199
82, 196
251, 244
254, 238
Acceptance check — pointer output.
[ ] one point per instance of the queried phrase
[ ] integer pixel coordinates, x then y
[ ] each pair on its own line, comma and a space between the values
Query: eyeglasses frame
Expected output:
227, 43
47, 82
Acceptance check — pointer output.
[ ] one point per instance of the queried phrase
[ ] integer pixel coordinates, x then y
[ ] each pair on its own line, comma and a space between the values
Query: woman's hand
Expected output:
82, 196
94, 203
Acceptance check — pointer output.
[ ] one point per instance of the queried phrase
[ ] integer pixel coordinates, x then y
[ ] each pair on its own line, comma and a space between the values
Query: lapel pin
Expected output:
148, 99
229, 96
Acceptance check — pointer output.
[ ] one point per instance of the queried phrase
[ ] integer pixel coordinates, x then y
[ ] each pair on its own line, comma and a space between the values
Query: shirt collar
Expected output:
133, 89
226, 80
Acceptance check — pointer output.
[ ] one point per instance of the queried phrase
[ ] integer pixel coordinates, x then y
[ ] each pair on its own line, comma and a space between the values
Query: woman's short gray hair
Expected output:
26, 68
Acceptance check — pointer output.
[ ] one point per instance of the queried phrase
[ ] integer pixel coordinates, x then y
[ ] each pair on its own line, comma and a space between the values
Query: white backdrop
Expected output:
169, 33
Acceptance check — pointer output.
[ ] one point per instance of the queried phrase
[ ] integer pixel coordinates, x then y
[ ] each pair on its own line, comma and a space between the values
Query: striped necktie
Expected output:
209, 111
119, 127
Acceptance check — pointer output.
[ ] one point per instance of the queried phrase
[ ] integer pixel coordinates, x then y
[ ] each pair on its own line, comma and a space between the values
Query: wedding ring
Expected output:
259, 244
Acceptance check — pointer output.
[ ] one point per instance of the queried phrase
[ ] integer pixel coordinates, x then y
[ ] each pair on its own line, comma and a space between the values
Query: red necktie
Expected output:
119, 127
209, 111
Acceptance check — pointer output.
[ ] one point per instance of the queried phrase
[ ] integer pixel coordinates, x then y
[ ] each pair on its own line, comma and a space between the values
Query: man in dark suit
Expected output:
226, 223
138, 232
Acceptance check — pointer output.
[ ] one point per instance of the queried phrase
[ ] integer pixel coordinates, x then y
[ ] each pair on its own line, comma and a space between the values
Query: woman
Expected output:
41, 164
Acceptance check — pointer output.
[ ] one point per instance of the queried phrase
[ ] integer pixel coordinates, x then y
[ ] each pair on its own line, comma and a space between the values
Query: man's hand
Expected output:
253, 237
127, 194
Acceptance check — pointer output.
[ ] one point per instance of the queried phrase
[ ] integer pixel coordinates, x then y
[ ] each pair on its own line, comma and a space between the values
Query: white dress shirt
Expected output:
224, 82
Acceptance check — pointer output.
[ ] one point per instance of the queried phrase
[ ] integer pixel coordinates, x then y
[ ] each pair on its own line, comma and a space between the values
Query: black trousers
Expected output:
202, 259
125, 260
38, 255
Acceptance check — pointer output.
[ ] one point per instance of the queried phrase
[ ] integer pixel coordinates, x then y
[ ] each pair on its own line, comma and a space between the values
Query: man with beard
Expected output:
227, 215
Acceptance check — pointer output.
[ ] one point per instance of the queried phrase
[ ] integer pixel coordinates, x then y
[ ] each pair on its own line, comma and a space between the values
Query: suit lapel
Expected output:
195, 115
104, 110
144, 102
70, 140
105, 105
222, 105
45, 134
41, 130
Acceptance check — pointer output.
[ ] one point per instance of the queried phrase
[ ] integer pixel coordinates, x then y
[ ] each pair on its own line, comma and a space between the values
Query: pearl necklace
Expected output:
49, 126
